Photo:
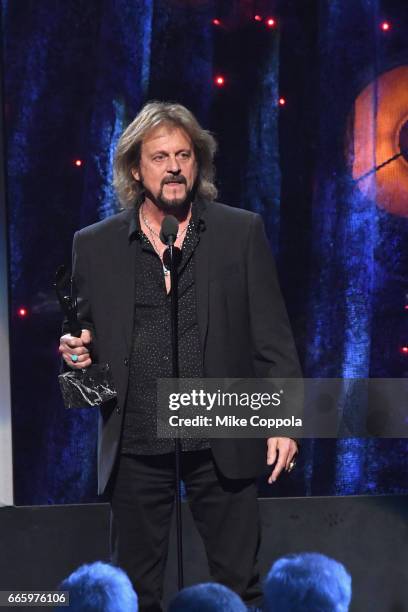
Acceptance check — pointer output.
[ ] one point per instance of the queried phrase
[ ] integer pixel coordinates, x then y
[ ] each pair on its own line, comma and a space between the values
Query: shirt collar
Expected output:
198, 208
134, 225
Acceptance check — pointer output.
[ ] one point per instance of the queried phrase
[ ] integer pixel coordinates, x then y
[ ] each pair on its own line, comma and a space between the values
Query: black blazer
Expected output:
243, 325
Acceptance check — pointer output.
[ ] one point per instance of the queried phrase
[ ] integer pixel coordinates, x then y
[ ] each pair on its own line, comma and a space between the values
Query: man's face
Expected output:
168, 167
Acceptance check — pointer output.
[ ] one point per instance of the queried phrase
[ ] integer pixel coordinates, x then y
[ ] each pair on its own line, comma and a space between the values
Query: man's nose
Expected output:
173, 165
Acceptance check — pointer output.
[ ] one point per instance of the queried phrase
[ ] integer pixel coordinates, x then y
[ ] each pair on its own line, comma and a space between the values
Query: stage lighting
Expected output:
258, 18
385, 26
22, 312
216, 22
270, 22
282, 101
219, 81
404, 350
78, 162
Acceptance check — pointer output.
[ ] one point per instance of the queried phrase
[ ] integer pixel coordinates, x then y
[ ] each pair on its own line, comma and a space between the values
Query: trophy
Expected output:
90, 386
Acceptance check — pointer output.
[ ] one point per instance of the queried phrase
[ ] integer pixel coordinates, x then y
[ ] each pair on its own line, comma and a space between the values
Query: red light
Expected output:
404, 350
78, 162
406, 306
219, 81
258, 18
385, 26
270, 22
22, 312
282, 101
216, 22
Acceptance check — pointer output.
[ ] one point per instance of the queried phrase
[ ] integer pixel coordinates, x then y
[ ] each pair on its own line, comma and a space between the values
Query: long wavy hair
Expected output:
128, 150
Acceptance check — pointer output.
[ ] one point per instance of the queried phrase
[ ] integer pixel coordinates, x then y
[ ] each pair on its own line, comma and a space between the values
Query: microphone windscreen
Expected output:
169, 230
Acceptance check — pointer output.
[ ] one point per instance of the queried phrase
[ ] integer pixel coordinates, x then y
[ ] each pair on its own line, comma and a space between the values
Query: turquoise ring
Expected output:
74, 358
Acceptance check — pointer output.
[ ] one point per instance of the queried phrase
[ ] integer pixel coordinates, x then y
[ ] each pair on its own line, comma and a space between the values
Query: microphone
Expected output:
169, 230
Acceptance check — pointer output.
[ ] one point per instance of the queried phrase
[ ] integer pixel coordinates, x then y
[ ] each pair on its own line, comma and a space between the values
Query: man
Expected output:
232, 323
307, 582
207, 597
99, 586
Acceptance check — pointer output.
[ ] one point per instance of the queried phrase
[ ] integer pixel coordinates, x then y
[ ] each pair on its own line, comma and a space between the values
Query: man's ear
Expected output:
135, 174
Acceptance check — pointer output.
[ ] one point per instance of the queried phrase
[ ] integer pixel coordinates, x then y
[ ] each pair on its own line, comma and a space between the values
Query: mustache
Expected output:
174, 179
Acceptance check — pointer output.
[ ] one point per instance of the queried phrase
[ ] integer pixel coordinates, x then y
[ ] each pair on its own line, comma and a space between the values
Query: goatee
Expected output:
178, 207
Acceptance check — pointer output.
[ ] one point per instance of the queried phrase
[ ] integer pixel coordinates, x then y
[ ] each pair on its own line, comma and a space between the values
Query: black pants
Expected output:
225, 512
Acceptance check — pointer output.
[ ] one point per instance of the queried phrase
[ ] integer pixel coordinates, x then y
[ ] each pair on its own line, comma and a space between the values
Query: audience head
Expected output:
99, 587
307, 582
207, 597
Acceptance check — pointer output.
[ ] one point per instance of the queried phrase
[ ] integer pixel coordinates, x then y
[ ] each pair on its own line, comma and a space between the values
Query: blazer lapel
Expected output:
126, 269
201, 269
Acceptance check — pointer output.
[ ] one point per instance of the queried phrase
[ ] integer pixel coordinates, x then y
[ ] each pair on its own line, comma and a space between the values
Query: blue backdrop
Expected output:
77, 72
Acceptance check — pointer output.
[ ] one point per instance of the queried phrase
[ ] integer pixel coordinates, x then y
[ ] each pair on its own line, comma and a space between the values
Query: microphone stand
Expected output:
171, 259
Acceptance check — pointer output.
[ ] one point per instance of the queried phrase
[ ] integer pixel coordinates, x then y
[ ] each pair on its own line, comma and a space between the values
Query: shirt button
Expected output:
126, 361
165, 357
118, 409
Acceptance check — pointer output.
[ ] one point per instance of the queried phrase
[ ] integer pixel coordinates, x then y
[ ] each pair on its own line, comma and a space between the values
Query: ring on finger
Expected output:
74, 358
291, 465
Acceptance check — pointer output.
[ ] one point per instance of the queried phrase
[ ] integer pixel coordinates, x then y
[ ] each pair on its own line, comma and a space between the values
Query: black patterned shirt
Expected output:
151, 344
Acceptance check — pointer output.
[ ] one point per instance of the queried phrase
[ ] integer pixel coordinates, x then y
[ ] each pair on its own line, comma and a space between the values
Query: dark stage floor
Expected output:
43, 544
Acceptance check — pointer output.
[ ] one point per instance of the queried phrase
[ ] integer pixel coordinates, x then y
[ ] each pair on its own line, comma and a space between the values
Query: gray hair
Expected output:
128, 150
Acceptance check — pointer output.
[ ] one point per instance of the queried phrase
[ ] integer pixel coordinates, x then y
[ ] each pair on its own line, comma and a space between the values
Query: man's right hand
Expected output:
70, 345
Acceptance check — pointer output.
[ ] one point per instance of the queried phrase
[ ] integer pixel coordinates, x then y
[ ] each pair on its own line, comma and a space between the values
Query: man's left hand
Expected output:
283, 448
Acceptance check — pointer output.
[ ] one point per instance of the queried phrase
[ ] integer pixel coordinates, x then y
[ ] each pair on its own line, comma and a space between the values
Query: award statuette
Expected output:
90, 386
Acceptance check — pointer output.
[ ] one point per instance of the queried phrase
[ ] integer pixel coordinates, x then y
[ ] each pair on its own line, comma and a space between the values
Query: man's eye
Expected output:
185, 155
158, 158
